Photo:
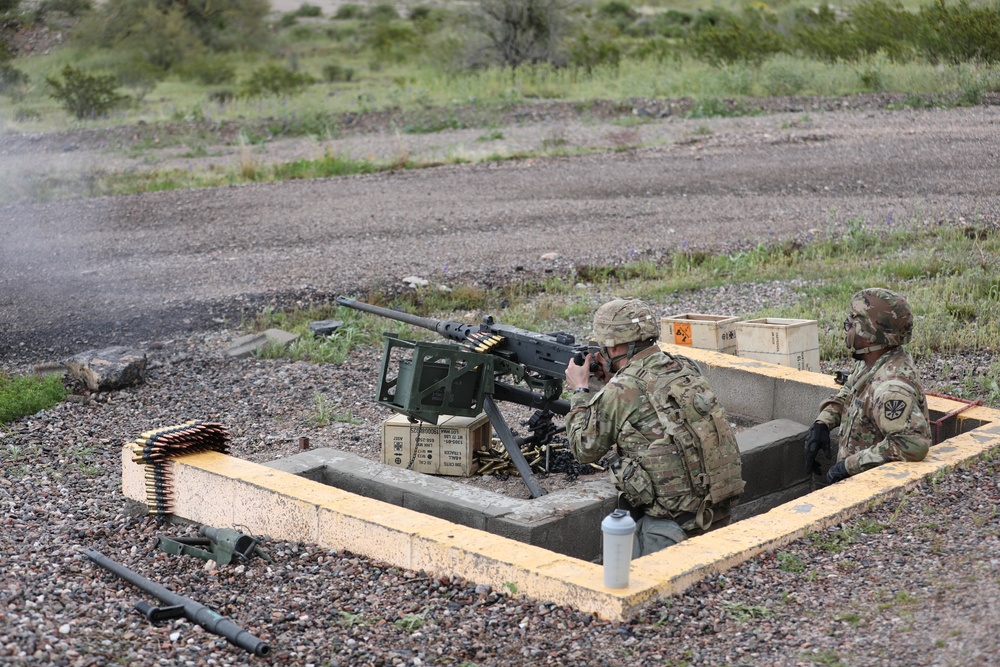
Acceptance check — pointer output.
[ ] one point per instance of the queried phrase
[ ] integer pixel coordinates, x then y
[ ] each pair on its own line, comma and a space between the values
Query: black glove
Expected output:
818, 438
837, 473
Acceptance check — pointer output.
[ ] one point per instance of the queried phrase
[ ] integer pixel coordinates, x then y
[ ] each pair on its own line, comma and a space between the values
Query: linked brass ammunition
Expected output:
155, 448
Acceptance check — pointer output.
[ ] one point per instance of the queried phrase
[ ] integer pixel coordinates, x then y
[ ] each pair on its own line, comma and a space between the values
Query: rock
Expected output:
110, 368
323, 328
415, 282
244, 346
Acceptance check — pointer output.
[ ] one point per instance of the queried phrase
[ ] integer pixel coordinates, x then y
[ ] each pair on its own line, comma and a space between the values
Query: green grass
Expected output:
430, 91
430, 81
26, 395
947, 272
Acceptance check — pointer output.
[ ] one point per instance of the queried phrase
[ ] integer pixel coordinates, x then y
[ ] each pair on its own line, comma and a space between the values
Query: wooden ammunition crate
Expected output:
706, 332
446, 449
787, 342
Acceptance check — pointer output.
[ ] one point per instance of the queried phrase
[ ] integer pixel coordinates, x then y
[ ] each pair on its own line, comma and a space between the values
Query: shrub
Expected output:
383, 11
783, 76
588, 53
12, 79
392, 41
86, 95
961, 33
617, 9
521, 31
139, 76
221, 95
22, 114
349, 12
670, 23
731, 38
309, 11
819, 34
274, 80
618, 13
68, 7
420, 13
889, 28
168, 31
209, 69
333, 72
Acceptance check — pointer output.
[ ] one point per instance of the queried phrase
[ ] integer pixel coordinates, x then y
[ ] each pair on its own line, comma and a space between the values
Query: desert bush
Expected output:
170, 31
618, 13
819, 34
348, 12
426, 20
222, 95
383, 11
274, 80
86, 95
885, 27
588, 53
671, 23
138, 75
25, 114
392, 42
68, 7
784, 76
12, 79
517, 32
306, 10
960, 33
334, 72
725, 37
209, 69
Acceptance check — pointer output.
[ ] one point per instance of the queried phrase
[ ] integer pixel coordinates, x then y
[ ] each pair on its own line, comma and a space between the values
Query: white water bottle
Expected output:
618, 528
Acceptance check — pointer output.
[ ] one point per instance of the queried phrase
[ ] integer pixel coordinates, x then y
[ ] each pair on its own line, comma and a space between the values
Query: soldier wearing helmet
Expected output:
672, 454
881, 409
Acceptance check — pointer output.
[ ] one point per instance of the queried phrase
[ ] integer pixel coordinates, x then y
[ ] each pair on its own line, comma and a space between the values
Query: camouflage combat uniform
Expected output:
659, 411
882, 413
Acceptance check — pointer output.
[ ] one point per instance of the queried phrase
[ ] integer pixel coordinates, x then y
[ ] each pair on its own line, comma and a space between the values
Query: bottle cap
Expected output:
619, 522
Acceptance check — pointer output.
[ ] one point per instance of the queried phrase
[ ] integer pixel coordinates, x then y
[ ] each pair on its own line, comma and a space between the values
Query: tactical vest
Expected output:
696, 461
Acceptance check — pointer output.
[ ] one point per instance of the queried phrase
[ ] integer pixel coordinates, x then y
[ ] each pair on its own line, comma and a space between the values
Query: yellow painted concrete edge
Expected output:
220, 490
787, 373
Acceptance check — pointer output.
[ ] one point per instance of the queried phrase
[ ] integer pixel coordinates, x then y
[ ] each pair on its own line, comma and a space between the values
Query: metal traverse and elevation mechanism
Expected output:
425, 380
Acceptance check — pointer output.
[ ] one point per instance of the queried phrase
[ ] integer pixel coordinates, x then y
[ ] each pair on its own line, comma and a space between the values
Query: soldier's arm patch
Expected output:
893, 406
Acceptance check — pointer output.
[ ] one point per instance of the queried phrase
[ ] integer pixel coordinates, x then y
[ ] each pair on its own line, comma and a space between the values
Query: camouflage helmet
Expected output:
877, 319
624, 321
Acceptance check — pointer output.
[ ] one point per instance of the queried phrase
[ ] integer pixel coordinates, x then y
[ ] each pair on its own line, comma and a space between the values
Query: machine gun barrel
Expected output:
193, 611
544, 354
452, 330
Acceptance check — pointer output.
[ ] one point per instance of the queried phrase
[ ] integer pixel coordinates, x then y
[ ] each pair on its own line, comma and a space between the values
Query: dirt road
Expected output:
93, 272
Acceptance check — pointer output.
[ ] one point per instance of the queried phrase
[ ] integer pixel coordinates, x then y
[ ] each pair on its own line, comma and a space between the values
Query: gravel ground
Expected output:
911, 582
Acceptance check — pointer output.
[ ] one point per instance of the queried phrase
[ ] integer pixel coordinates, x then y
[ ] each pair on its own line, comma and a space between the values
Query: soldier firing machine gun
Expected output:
426, 380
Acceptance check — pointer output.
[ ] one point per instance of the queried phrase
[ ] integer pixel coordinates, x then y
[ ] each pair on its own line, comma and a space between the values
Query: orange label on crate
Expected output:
682, 334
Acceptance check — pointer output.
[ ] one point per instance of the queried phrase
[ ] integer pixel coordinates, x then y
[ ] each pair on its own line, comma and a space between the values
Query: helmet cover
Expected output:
877, 319
624, 321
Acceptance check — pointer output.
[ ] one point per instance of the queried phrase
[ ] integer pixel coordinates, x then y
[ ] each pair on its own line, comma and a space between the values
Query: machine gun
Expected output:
426, 380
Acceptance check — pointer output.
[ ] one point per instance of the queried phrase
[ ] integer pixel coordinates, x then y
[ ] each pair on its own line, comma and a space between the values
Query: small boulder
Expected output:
245, 346
107, 369
413, 282
323, 328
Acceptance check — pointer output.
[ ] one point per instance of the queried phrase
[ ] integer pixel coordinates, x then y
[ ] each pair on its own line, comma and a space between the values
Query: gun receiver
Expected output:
544, 354
427, 380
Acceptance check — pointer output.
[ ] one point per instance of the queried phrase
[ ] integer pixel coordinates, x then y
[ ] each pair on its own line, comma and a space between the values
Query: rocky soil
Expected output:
913, 581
